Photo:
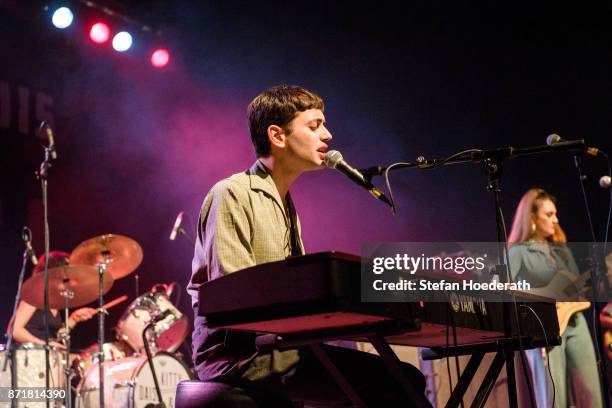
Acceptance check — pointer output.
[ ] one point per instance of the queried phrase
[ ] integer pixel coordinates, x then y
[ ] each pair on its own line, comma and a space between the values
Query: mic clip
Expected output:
161, 316
26, 236
370, 172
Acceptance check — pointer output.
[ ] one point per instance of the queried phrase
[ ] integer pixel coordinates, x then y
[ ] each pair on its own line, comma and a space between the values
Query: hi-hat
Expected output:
121, 254
82, 280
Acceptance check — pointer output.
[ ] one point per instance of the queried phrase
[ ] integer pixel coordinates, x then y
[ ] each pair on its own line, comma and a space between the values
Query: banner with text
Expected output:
426, 271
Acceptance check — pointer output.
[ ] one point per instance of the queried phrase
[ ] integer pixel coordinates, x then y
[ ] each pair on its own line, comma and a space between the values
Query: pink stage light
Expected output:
99, 33
160, 58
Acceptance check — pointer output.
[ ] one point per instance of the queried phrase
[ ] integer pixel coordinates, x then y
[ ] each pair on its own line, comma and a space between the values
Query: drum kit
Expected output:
128, 372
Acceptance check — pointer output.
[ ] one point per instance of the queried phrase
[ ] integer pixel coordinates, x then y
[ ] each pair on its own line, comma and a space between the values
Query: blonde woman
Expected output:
537, 254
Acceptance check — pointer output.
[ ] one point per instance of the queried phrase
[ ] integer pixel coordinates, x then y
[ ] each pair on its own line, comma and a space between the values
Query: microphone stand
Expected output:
494, 166
67, 294
9, 342
492, 159
42, 175
145, 341
476, 155
136, 285
101, 312
596, 274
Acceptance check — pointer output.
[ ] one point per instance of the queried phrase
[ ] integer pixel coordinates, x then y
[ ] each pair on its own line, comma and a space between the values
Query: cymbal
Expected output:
83, 280
122, 254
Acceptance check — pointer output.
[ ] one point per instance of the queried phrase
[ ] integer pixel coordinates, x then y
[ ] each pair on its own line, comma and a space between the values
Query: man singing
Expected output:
249, 219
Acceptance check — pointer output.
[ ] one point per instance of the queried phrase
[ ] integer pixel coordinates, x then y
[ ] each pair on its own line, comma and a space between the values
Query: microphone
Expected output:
554, 138
50, 138
26, 235
333, 159
177, 225
604, 182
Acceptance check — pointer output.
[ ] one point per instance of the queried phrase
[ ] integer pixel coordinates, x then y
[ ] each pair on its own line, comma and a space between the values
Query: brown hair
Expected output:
277, 106
525, 216
56, 259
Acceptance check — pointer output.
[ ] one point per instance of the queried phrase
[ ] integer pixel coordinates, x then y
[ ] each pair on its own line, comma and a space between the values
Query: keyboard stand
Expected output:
502, 348
374, 333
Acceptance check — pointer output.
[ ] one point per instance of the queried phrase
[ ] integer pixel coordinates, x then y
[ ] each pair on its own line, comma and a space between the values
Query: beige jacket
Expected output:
242, 223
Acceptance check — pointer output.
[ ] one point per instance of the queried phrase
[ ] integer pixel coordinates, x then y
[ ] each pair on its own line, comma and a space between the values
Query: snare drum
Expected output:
168, 333
30, 370
129, 382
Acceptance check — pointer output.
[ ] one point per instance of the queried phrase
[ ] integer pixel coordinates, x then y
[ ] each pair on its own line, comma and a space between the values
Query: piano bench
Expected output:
211, 394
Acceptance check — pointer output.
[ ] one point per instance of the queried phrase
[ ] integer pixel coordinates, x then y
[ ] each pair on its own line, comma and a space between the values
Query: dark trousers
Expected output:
310, 382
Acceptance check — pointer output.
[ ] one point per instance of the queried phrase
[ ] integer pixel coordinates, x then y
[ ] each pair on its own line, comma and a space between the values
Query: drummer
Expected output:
29, 321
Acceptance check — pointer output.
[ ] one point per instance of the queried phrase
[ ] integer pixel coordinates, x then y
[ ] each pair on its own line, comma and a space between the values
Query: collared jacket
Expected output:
539, 263
242, 223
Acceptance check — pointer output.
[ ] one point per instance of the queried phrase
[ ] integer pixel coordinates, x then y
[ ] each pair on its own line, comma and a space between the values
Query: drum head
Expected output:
128, 382
171, 338
29, 360
168, 333
169, 371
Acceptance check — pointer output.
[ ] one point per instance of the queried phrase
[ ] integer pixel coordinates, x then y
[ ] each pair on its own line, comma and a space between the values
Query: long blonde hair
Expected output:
524, 218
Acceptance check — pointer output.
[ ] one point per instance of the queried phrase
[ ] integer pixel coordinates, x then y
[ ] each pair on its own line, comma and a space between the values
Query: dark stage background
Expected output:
137, 145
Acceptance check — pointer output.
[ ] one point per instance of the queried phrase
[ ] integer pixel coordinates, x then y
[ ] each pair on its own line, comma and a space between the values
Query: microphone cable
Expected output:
425, 166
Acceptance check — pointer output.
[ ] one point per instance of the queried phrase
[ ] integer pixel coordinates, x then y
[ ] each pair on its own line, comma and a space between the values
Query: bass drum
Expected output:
169, 331
129, 383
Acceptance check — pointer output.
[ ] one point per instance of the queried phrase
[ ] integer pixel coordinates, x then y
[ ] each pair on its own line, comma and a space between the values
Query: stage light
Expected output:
160, 58
62, 17
122, 41
99, 33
